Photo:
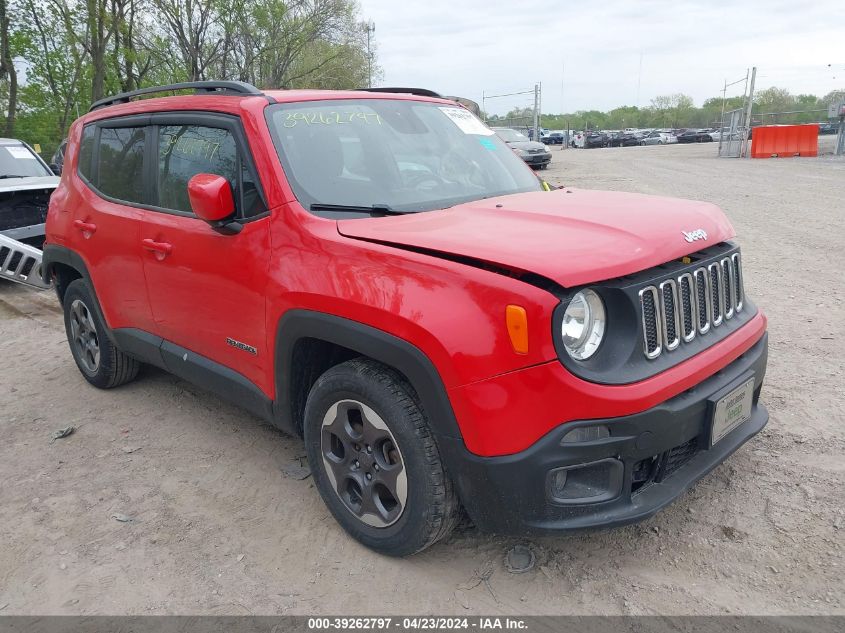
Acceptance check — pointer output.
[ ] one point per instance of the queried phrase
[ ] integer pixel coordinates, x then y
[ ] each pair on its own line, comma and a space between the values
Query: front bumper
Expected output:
662, 451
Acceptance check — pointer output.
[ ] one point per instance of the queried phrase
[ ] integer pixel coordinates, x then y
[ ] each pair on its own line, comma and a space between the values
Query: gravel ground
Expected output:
221, 523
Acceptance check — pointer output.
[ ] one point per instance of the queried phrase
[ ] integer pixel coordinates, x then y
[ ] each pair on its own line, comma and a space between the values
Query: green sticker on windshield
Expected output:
331, 118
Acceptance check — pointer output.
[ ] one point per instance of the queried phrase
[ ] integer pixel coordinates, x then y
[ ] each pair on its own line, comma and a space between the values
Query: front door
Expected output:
206, 289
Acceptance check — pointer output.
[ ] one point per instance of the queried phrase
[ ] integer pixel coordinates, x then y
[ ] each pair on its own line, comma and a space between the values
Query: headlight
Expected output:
518, 152
583, 325
546, 147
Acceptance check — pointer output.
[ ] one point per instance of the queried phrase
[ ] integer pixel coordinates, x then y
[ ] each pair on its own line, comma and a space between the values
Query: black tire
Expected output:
431, 508
108, 367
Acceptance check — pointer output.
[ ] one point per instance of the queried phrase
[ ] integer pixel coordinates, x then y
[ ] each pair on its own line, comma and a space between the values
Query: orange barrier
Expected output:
777, 141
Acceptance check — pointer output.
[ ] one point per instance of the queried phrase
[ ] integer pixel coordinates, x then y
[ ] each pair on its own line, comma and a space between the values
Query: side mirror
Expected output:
55, 169
211, 197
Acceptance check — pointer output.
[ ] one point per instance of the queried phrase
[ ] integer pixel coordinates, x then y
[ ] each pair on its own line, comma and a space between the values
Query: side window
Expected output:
86, 152
120, 163
187, 150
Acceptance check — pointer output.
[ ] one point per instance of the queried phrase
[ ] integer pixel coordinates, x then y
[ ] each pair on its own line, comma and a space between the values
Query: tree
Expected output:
774, 100
194, 26
7, 69
678, 110
76, 51
672, 110
57, 60
834, 96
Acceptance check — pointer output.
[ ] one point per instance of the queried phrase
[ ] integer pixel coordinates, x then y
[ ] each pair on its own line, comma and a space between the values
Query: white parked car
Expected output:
26, 183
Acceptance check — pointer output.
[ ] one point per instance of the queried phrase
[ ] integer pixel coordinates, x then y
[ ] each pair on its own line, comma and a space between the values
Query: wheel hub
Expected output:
363, 463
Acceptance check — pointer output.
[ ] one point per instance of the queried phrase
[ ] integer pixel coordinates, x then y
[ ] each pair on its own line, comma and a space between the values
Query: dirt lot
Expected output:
220, 523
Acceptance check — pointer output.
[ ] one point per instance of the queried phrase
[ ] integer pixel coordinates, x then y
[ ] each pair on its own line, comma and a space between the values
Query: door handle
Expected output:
86, 227
161, 248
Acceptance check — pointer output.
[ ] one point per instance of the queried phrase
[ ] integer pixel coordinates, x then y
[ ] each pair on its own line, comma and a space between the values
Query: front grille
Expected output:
738, 293
702, 292
669, 314
728, 299
677, 309
20, 262
657, 468
651, 322
689, 314
715, 294
679, 456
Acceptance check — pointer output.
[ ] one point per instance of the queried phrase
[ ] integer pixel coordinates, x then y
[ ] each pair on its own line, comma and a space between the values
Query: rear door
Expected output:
206, 289
106, 223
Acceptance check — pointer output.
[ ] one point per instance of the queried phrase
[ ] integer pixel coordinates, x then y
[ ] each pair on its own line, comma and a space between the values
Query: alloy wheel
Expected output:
84, 336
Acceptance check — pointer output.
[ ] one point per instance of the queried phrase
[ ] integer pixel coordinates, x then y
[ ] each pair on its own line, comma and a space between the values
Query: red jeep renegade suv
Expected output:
378, 272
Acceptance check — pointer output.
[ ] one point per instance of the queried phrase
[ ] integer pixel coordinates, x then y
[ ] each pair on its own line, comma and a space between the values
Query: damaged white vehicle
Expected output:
26, 183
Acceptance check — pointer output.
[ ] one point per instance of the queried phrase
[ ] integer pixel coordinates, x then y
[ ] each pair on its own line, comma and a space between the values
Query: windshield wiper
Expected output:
12, 176
383, 209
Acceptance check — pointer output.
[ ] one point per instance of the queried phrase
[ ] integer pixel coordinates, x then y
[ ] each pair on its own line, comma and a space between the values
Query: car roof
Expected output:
232, 103
10, 141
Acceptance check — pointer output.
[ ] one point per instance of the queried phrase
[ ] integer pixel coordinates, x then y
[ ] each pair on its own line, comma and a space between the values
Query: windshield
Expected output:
511, 136
19, 160
403, 155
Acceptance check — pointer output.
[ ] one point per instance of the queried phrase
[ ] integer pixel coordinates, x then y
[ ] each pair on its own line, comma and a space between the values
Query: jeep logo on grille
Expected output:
694, 236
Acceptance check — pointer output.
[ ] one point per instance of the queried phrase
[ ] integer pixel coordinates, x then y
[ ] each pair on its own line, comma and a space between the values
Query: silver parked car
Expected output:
658, 138
725, 135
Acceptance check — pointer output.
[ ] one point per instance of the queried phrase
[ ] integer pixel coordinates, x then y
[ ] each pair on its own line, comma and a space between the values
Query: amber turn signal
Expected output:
517, 328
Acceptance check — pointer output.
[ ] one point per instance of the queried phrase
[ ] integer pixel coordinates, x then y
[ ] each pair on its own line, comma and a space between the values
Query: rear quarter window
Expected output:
86, 153
120, 163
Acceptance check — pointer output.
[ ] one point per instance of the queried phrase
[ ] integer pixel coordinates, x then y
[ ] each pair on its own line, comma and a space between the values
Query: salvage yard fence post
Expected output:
733, 133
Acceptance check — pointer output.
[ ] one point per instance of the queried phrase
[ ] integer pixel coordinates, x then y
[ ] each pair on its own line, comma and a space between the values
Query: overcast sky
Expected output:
589, 58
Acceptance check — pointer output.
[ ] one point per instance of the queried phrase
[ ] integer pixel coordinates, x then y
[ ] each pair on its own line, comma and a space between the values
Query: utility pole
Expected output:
744, 147
536, 112
370, 27
639, 78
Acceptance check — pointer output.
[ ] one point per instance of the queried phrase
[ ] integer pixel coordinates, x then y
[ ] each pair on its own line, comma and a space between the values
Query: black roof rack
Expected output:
200, 87
422, 92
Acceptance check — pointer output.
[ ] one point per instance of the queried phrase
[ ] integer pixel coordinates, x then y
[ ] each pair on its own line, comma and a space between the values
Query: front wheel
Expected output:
375, 461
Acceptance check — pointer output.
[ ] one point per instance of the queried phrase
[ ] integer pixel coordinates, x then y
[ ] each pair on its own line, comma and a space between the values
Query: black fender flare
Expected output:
55, 254
379, 345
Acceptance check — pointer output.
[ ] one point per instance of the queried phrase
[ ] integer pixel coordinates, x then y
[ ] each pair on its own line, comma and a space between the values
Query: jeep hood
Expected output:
573, 237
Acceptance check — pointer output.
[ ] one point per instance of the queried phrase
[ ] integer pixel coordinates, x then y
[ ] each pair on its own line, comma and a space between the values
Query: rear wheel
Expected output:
99, 361
375, 461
